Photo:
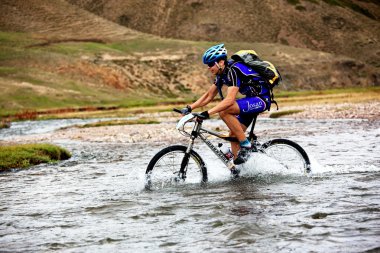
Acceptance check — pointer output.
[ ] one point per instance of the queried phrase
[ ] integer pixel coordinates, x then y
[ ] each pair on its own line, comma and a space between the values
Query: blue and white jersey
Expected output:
250, 83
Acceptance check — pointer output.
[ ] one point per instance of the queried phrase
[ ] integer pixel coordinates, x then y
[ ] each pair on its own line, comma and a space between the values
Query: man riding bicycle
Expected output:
236, 113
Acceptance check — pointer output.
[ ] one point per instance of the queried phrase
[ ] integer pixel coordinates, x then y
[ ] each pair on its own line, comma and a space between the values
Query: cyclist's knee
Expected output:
222, 114
226, 112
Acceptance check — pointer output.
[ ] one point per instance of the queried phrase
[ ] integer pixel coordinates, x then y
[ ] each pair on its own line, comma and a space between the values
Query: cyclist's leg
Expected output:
239, 116
229, 117
249, 107
236, 129
235, 146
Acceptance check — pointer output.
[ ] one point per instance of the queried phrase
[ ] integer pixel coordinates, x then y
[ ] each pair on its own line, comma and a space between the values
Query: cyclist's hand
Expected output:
204, 115
186, 110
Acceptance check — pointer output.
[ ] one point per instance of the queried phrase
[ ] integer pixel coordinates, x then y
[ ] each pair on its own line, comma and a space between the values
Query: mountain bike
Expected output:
180, 163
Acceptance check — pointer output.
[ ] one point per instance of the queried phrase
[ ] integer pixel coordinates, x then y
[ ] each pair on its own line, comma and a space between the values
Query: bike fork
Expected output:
186, 157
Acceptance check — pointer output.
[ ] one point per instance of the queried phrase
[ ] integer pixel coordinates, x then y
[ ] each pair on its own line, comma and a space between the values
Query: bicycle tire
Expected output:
288, 153
163, 169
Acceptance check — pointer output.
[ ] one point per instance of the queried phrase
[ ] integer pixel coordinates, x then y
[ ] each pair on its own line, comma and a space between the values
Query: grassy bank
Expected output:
284, 98
37, 74
26, 155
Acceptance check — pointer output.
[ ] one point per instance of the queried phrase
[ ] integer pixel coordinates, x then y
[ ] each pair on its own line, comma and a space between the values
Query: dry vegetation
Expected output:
60, 59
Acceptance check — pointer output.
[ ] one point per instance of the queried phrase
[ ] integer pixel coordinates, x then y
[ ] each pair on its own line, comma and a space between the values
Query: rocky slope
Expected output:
348, 27
67, 53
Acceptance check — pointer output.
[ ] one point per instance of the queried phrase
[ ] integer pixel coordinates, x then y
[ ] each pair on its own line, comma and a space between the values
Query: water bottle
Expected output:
226, 151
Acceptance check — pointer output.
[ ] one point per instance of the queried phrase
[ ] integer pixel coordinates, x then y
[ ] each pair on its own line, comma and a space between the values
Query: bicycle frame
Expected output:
230, 165
198, 131
298, 158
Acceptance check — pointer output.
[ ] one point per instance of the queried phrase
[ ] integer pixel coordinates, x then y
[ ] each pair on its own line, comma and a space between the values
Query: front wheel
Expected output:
289, 154
165, 168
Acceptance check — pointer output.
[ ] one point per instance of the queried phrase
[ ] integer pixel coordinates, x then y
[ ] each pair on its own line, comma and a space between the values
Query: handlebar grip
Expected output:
177, 110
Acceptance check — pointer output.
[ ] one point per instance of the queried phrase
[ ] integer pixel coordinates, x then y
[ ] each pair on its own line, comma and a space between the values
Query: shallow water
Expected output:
96, 201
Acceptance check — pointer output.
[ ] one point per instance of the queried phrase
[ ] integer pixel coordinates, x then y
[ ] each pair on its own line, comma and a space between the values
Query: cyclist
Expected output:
236, 113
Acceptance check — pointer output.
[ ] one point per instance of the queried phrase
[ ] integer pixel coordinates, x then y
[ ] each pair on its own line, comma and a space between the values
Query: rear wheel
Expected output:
289, 154
165, 168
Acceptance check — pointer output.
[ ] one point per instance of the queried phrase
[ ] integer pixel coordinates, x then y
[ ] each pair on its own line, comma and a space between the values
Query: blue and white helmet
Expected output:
214, 53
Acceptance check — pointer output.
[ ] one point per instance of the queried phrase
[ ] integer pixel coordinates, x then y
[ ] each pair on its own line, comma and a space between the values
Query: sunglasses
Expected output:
210, 65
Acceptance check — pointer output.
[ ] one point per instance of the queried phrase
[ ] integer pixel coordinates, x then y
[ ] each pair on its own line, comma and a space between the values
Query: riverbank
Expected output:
26, 155
165, 131
365, 110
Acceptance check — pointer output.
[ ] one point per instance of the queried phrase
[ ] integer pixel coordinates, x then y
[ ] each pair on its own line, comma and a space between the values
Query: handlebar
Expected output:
177, 110
198, 115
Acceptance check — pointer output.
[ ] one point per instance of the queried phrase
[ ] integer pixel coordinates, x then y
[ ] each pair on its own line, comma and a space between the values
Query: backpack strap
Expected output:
219, 86
272, 98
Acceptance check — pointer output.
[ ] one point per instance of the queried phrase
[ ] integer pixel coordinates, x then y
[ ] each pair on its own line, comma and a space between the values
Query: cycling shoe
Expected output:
242, 156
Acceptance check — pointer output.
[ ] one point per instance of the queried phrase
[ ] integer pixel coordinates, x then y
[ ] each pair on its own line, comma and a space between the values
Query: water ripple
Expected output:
96, 201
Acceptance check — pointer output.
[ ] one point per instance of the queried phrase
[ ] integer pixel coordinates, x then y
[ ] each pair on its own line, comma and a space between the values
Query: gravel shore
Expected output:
166, 132
366, 110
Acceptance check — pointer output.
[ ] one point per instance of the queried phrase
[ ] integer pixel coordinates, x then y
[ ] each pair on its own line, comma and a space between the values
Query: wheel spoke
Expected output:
289, 154
164, 168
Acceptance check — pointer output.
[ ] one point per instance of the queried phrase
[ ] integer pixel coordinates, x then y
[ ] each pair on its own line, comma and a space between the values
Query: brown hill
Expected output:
58, 19
348, 27
52, 63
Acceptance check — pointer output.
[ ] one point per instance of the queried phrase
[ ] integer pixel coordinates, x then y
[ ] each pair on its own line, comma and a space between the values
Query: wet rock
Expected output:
319, 215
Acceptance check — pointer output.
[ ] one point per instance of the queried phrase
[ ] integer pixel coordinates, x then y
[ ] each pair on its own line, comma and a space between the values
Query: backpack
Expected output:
265, 68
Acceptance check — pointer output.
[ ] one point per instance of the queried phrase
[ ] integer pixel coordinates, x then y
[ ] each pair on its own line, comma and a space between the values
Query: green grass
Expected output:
12, 45
283, 113
26, 155
16, 39
119, 123
149, 44
28, 85
5, 71
139, 45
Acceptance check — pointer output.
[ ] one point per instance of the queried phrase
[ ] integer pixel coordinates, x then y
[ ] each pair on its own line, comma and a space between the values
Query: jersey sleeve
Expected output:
233, 77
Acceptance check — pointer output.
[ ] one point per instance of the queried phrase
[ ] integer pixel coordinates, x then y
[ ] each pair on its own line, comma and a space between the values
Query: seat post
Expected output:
252, 136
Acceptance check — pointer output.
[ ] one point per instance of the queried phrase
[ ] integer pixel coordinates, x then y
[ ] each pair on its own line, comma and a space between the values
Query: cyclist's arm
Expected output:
227, 102
205, 98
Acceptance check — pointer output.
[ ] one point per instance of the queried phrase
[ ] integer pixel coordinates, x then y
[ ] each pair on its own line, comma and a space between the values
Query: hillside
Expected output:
56, 55
58, 19
347, 27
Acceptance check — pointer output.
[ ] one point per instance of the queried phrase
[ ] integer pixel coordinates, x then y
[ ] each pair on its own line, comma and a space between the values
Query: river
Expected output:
96, 201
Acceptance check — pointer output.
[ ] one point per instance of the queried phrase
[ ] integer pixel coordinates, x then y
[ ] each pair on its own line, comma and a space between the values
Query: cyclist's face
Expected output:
214, 68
